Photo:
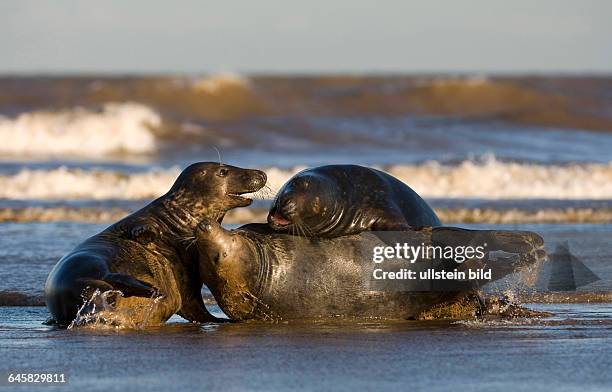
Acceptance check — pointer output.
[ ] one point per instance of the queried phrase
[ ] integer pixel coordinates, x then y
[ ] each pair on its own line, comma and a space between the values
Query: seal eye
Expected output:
222, 172
316, 205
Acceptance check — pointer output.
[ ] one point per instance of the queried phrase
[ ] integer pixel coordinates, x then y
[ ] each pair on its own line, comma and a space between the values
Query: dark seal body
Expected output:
255, 273
147, 254
335, 200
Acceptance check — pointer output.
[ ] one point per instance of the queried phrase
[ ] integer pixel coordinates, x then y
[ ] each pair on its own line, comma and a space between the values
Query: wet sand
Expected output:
567, 352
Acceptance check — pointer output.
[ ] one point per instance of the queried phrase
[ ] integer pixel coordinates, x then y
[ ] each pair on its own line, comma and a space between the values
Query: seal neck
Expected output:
261, 266
182, 211
332, 221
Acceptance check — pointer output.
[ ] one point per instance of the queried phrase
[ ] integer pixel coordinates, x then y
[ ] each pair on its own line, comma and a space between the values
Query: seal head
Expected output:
229, 265
336, 200
225, 183
307, 204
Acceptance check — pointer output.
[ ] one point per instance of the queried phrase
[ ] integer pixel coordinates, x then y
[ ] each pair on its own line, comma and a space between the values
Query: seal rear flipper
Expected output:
195, 311
130, 286
493, 240
50, 321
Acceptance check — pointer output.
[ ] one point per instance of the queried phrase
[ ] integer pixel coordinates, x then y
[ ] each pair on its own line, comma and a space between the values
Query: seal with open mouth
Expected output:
149, 252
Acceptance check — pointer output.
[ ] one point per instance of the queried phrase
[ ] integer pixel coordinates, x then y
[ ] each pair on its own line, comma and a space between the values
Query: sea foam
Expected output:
117, 128
488, 179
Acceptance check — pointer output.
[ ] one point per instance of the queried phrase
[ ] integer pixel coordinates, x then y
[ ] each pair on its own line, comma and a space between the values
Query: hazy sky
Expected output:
305, 36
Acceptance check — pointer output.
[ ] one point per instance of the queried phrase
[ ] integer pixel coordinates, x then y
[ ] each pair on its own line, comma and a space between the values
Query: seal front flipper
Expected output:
130, 286
87, 287
391, 225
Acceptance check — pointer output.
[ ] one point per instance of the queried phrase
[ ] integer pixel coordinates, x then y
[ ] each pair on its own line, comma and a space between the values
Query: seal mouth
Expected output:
254, 182
238, 198
277, 221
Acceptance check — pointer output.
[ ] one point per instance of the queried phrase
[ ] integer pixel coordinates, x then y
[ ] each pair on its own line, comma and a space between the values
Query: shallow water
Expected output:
28, 251
566, 352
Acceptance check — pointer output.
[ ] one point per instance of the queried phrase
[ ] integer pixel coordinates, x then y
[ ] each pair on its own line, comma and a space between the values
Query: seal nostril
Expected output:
259, 180
263, 178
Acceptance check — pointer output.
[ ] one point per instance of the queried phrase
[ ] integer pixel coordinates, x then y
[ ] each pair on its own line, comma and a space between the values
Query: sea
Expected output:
524, 152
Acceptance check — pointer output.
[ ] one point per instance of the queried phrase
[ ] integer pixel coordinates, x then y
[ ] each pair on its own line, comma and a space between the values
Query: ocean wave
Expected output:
69, 183
223, 96
216, 84
117, 128
486, 179
494, 179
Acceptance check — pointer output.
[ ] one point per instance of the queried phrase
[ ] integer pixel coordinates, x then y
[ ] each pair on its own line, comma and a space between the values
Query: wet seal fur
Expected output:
148, 253
256, 273
335, 200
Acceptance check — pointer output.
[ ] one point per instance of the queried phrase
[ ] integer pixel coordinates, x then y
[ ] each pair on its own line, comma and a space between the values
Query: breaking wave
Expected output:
216, 84
488, 179
116, 128
493, 179
65, 183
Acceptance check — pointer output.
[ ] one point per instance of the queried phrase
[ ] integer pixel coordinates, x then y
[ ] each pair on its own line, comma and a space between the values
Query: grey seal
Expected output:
147, 254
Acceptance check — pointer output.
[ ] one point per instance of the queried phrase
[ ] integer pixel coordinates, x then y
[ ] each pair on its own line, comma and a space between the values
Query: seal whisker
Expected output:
271, 191
265, 193
307, 231
192, 242
186, 238
219, 155
302, 228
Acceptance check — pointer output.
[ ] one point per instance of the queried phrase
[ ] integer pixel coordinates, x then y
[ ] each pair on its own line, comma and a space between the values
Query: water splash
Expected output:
99, 312
524, 278
149, 310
